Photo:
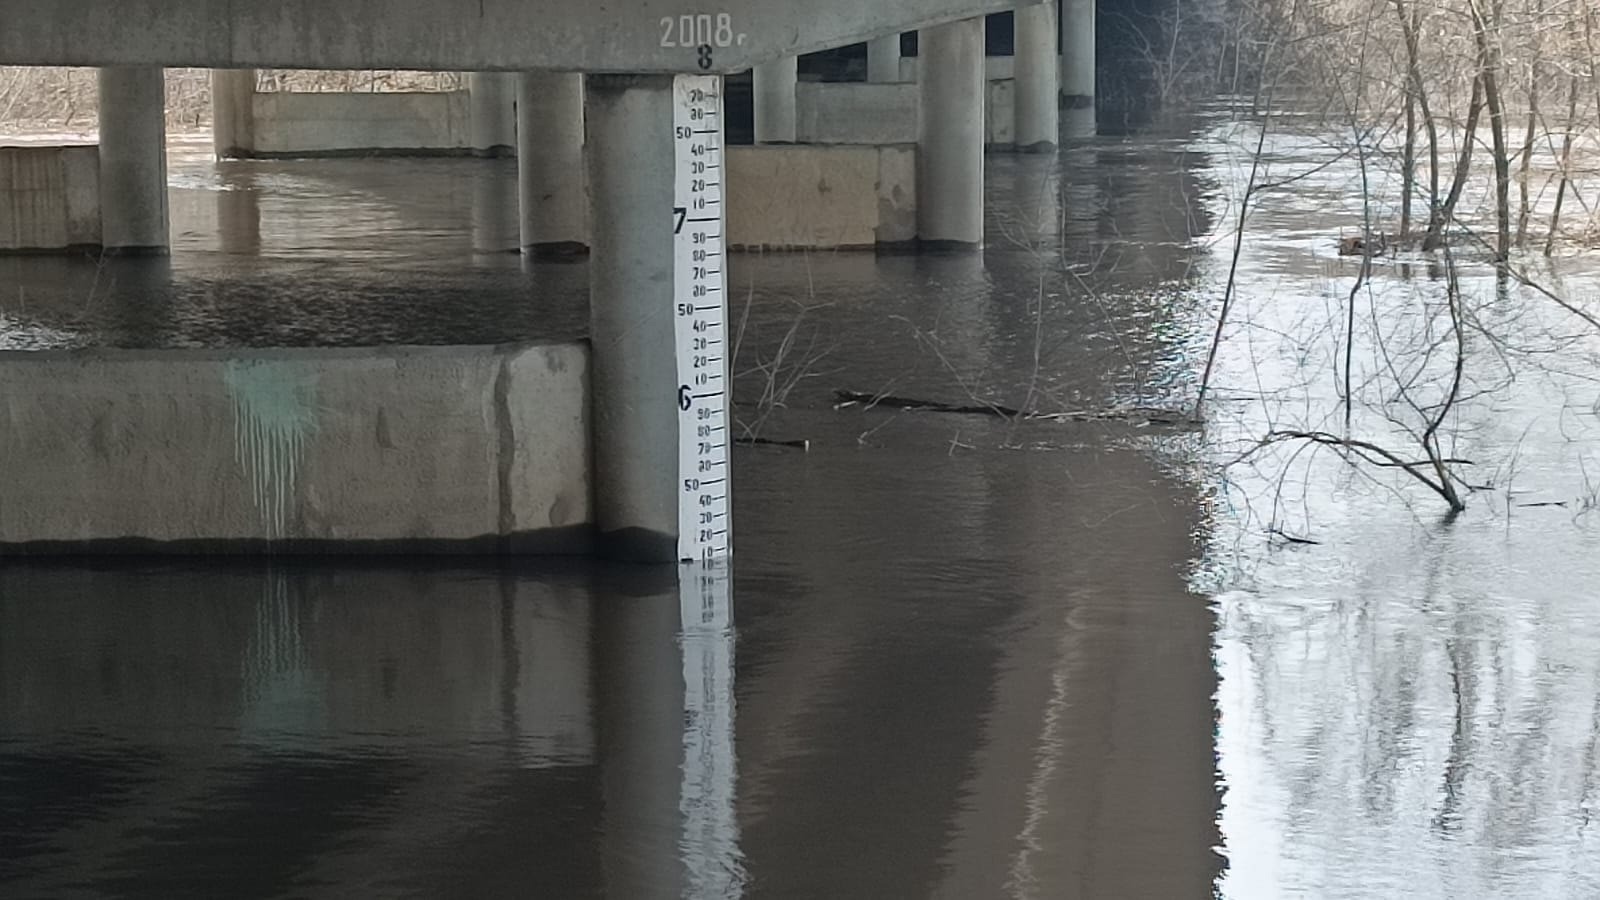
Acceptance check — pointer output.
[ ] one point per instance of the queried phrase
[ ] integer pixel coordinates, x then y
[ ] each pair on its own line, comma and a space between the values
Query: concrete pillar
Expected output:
629, 155
494, 117
883, 59
233, 112
133, 160
774, 85
555, 219
1037, 120
950, 141
1077, 54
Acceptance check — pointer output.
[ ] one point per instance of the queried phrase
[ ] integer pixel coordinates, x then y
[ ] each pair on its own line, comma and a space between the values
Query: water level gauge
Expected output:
701, 314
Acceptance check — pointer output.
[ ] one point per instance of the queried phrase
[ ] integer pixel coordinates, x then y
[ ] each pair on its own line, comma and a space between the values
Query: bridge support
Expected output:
629, 152
774, 85
1037, 122
133, 160
883, 59
1077, 54
494, 121
233, 112
950, 139
555, 220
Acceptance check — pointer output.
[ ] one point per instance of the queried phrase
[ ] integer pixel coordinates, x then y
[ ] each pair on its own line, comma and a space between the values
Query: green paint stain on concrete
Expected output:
274, 414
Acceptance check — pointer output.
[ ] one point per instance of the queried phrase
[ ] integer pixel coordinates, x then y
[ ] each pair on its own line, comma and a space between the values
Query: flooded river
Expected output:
961, 656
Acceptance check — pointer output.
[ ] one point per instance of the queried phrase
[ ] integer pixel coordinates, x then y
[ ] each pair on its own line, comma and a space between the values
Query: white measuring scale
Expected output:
700, 313
705, 441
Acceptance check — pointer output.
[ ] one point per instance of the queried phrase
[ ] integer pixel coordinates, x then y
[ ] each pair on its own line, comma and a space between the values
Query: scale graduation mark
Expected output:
700, 314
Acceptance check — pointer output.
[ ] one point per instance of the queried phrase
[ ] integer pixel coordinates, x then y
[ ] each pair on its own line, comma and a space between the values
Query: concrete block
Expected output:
863, 113
837, 196
49, 198
311, 124
480, 448
897, 194
548, 482
856, 113
995, 68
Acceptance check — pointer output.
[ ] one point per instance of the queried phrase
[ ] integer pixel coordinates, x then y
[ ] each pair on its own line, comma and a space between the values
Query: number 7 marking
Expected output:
680, 214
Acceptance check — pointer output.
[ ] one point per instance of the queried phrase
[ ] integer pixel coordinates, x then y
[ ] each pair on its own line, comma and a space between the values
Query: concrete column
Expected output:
1077, 54
133, 160
555, 207
950, 141
1037, 120
883, 59
774, 85
494, 117
233, 112
628, 151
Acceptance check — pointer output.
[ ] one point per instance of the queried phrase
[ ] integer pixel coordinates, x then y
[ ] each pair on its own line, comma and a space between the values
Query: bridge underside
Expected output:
613, 36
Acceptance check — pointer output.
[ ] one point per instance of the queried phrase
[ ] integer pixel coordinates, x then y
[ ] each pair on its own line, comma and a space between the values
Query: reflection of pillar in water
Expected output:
495, 217
546, 642
666, 725
1035, 207
710, 842
1077, 123
239, 217
640, 693
1081, 194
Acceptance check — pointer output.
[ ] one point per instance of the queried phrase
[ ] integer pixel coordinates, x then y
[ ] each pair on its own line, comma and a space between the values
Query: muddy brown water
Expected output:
968, 657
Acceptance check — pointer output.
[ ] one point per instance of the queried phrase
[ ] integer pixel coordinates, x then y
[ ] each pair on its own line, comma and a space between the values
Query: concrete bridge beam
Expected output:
630, 159
1037, 117
133, 160
774, 86
550, 166
950, 136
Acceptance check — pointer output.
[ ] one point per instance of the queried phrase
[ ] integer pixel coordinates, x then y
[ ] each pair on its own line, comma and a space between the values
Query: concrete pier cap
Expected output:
657, 37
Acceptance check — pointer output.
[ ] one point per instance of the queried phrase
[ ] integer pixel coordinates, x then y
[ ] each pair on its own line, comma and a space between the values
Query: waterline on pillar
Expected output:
557, 251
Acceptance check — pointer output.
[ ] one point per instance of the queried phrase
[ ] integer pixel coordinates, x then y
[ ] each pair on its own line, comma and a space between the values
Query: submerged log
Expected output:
1133, 414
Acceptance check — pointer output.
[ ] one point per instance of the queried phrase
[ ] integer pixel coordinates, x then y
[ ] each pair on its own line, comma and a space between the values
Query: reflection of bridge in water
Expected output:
1010, 714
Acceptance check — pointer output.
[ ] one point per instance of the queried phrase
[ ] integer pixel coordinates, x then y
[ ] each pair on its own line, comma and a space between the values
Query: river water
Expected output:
961, 656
